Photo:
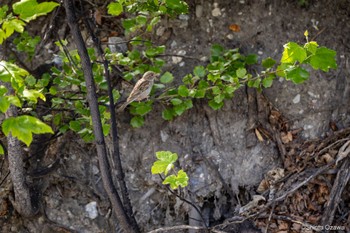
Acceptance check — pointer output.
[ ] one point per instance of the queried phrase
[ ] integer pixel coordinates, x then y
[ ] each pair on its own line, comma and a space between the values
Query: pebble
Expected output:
160, 31
173, 44
164, 136
95, 170
296, 99
313, 95
184, 17
216, 12
91, 209
117, 44
230, 36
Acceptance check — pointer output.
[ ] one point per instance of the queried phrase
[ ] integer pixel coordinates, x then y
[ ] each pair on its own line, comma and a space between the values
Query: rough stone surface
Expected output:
213, 146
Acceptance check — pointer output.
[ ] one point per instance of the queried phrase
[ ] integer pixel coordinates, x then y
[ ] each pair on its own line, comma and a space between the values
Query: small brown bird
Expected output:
141, 89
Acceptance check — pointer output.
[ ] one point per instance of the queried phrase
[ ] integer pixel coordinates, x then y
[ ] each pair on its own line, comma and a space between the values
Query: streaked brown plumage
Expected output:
141, 89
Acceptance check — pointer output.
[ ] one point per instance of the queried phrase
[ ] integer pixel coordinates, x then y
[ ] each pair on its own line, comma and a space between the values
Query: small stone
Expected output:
230, 36
173, 44
176, 59
184, 17
117, 44
260, 52
216, 12
182, 64
91, 209
313, 95
296, 99
164, 136
160, 31
95, 170
182, 52
204, 58
199, 11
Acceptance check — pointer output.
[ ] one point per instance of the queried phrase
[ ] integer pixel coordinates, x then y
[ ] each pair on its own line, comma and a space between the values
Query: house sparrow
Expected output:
141, 89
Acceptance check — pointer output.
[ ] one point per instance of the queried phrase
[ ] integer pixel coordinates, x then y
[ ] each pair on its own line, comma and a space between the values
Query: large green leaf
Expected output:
323, 59
23, 127
30, 9
292, 53
297, 75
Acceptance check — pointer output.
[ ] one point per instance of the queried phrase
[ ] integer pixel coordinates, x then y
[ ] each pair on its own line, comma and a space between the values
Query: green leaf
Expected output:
254, 83
203, 84
141, 108
106, 128
137, 121
200, 94
30, 80
219, 98
3, 90
4, 104
11, 72
183, 91
168, 114
188, 103
323, 59
267, 82
33, 95
268, 63
129, 24
181, 179
75, 126
214, 105
199, 71
216, 52
23, 127
176, 101
154, 21
179, 109
216, 90
13, 99
180, 7
167, 77
292, 53
3, 12
251, 59
311, 47
30, 9
13, 25
297, 75
154, 51
165, 162
1, 150
241, 72
229, 89
115, 8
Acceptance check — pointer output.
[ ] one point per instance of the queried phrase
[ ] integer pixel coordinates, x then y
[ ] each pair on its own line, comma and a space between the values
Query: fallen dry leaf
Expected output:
98, 16
258, 135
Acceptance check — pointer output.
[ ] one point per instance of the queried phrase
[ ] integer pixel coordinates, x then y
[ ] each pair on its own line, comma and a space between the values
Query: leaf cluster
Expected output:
164, 165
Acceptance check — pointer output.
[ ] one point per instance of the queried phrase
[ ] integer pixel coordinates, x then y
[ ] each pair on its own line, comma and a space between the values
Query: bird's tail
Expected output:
121, 108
